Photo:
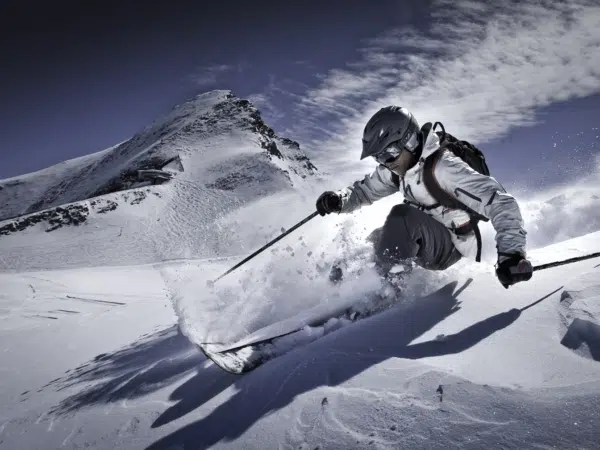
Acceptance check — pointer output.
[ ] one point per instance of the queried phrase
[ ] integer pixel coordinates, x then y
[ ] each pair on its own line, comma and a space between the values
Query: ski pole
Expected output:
566, 261
266, 246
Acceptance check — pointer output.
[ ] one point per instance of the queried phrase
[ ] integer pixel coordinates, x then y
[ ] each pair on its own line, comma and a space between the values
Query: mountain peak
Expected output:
203, 160
184, 134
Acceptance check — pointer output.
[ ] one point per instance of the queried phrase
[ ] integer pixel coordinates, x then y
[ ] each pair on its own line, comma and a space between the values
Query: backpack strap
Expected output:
431, 183
437, 192
448, 200
426, 129
441, 134
471, 226
409, 199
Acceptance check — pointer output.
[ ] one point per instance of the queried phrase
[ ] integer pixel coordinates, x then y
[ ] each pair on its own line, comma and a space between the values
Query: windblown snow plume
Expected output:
286, 280
289, 282
565, 212
553, 215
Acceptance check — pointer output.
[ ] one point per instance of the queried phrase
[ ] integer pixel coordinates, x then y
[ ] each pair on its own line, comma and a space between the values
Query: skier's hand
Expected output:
329, 202
514, 269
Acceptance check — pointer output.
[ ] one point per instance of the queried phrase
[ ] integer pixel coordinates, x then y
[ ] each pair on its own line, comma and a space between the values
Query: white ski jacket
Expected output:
483, 194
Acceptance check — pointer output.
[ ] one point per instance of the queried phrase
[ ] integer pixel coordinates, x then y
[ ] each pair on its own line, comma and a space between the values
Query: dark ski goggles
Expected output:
391, 152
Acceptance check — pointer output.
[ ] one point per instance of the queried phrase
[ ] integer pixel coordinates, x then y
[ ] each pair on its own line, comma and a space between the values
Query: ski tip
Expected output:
231, 362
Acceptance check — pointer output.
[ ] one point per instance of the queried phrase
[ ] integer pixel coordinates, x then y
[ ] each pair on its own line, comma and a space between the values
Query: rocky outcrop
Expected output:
55, 218
73, 214
138, 175
275, 146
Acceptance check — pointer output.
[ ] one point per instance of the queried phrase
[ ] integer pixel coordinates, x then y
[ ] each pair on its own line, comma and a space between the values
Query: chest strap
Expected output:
422, 207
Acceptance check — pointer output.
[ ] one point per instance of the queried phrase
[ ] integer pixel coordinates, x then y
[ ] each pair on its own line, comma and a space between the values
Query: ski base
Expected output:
245, 358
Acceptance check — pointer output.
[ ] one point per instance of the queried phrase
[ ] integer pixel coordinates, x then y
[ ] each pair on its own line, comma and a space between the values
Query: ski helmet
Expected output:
390, 125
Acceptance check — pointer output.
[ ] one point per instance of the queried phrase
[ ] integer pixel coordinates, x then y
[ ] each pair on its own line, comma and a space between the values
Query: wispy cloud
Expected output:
482, 68
208, 76
274, 100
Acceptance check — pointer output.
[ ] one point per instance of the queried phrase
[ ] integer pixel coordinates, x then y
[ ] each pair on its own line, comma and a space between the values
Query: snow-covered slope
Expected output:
19, 194
159, 195
104, 357
93, 358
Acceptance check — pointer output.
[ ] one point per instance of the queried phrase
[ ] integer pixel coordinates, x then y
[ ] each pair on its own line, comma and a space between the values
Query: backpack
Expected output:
474, 158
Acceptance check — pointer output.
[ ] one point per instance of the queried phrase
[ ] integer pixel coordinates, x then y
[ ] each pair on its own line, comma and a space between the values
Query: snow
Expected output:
112, 371
98, 321
18, 193
580, 316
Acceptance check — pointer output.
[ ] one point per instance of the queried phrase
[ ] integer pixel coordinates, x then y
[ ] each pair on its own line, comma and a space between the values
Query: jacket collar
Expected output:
432, 143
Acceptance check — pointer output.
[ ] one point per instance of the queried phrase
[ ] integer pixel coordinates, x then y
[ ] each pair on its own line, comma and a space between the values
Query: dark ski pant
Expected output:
409, 233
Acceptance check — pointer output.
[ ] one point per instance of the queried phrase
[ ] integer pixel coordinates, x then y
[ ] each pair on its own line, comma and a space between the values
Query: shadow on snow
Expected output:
145, 366
167, 357
330, 361
581, 332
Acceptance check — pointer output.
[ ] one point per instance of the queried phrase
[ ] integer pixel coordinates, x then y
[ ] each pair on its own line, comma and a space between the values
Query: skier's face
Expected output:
402, 163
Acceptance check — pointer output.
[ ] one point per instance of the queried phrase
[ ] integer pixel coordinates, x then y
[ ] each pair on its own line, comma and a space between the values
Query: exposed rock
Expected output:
102, 206
134, 197
155, 176
271, 148
248, 117
56, 218
146, 171
231, 181
290, 143
73, 214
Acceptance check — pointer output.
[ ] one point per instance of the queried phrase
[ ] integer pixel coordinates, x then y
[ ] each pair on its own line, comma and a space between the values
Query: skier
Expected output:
447, 190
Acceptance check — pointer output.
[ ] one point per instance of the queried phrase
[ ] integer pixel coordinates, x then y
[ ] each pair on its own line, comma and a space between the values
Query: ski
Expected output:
245, 358
253, 351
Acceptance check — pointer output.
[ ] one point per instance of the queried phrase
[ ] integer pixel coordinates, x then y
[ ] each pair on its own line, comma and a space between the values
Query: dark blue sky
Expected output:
78, 77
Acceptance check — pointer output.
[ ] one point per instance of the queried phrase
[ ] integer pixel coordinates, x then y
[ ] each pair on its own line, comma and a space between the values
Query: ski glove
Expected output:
329, 202
513, 270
